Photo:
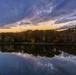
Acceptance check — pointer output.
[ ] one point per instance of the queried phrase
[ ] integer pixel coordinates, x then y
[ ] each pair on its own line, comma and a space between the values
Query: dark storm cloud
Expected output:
12, 11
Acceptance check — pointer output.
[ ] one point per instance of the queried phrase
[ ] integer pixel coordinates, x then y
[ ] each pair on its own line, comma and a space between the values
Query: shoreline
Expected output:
26, 43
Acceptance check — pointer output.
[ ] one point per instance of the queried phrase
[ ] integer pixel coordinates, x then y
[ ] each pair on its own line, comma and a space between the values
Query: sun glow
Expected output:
40, 26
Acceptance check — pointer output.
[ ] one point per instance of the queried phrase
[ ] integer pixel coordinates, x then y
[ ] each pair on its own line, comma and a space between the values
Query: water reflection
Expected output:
42, 50
25, 64
37, 60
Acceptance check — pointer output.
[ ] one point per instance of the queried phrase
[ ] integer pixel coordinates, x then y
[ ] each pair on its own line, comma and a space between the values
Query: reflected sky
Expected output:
25, 64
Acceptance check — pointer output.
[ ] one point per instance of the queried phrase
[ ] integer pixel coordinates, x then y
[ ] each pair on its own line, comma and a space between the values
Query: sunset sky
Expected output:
21, 15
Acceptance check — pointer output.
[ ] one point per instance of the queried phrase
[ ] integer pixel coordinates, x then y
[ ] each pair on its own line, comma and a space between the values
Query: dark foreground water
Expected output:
37, 60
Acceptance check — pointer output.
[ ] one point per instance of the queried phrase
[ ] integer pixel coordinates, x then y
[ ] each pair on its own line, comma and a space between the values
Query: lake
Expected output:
37, 60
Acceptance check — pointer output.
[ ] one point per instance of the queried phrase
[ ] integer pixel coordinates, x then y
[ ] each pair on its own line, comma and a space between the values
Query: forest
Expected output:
40, 36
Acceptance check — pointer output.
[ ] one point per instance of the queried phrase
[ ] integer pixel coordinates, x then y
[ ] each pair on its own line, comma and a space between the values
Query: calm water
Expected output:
41, 50
37, 60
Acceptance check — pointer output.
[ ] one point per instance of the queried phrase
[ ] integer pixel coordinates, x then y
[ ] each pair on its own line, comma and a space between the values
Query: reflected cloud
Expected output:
25, 64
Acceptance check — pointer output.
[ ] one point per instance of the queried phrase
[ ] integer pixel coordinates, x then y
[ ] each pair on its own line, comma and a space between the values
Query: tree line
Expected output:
41, 36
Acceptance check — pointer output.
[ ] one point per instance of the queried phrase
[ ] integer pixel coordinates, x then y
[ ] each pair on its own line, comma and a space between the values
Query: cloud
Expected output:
16, 10
66, 18
66, 26
25, 12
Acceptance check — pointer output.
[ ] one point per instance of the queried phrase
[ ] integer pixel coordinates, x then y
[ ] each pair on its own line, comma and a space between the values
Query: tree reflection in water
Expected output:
42, 50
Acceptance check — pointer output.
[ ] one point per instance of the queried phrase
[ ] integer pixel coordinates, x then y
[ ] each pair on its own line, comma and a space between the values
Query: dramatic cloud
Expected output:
25, 64
25, 12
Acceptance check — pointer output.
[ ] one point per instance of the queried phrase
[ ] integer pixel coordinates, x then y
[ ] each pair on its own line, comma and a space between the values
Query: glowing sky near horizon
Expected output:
21, 15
